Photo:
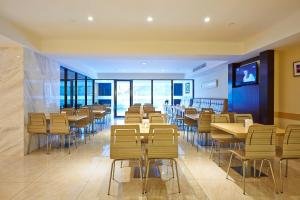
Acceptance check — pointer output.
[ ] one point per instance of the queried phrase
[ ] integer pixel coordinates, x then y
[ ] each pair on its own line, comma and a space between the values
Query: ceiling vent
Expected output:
199, 67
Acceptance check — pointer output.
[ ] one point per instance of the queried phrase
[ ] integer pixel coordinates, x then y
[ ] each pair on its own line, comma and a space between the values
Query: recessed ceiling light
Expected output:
144, 63
90, 18
149, 19
206, 19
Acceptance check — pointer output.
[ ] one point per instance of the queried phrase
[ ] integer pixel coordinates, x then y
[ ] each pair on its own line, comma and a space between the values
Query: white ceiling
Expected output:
176, 20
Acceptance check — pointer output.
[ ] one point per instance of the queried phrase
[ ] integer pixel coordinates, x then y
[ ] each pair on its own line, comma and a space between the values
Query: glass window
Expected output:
141, 91
161, 93
182, 92
104, 89
80, 92
89, 92
62, 93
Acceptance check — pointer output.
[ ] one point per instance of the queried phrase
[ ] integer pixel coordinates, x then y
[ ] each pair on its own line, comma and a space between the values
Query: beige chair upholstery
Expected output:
220, 137
157, 118
125, 144
203, 124
290, 149
240, 118
84, 123
59, 125
99, 116
162, 144
133, 118
207, 110
260, 145
37, 125
148, 109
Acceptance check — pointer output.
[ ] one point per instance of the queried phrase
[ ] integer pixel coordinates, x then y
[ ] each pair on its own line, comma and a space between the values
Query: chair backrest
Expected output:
134, 109
125, 142
85, 112
59, 124
260, 141
190, 111
37, 123
137, 104
291, 142
240, 118
204, 122
157, 118
68, 111
148, 109
222, 118
163, 141
207, 110
131, 118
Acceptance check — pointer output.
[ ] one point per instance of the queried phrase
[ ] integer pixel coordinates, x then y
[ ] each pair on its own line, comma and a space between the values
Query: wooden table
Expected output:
238, 129
71, 118
192, 116
98, 111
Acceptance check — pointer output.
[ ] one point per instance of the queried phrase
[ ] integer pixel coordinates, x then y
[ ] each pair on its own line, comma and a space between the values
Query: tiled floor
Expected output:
85, 173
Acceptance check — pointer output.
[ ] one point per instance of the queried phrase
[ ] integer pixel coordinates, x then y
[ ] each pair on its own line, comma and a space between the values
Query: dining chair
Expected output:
157, 118
240, 118
203, 125
148, 109
162, 145
125, 144
189, 124
290, 149
207, 110
68, 111
134, 109
131, 118
37, 125
59, 125
84, 123
137, 104
218, 136
260, 145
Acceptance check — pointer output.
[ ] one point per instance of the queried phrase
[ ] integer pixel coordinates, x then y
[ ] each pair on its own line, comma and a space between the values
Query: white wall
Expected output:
219, 73
41, 87
140, 76
12, 101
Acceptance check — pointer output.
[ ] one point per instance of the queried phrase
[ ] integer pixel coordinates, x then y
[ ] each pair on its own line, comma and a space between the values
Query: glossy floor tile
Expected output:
84, 174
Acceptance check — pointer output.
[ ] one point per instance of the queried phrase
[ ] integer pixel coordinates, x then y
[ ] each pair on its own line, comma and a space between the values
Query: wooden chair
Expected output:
137, 104
290, 149
68, 111
134, 109
148, 109
220, 137
84, 123
125, 144
163, 145
203, 125
59, 125
207, 110
37, 125
189, 124
157, 118
133, 118
260, 145
240, 118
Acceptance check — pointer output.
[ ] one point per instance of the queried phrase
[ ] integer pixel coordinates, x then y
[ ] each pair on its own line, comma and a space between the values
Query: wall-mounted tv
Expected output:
246, 74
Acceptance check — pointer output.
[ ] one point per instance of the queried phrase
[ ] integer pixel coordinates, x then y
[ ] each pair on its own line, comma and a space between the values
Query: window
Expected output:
104, 89
161, 93
141, 91
89, 92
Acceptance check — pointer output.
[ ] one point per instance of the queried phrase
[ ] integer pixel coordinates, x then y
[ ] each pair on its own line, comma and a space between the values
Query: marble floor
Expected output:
84, 174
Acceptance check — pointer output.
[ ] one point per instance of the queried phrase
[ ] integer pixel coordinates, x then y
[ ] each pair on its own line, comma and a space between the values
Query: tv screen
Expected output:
246, 74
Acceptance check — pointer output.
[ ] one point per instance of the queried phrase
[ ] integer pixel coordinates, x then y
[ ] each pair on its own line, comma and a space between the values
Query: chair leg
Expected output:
39, 142
172, 165
261, 165
114, 168
147, 175
229, 165
280, 176
211, 149
111, 171
271, 169
47, 143
29, 144
140, 166
219, 159
244, 174
177, 175
69, 143
254, 168
286, 167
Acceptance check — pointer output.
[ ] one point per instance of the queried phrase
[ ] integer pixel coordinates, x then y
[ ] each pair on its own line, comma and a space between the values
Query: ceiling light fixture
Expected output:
144, 63
149, 19
90, 18
206, 19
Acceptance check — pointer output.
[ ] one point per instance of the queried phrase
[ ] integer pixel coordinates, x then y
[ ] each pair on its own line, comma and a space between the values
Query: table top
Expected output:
238, 129
71, 118
98, 111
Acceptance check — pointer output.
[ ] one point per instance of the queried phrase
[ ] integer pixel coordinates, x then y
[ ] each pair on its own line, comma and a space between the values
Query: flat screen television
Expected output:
246, 74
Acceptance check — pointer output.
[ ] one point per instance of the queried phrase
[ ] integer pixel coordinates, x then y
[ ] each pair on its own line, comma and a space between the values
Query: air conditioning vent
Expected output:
199, 67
